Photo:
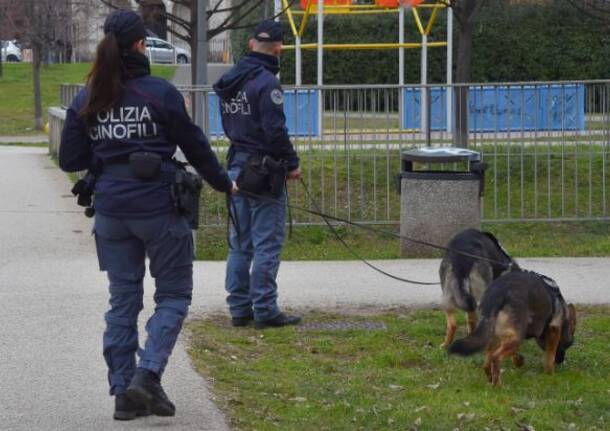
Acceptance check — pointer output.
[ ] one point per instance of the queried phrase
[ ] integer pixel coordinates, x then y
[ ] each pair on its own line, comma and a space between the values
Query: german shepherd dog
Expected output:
464, 279
517, 306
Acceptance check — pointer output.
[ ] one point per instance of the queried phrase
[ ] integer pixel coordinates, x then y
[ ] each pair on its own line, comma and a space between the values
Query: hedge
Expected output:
513, 42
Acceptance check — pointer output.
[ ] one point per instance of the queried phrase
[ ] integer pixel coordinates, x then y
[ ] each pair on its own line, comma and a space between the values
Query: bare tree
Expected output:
39, 24
599, 9
237, 14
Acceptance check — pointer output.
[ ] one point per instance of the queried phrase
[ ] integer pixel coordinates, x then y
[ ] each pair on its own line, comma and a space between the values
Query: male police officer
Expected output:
252, 106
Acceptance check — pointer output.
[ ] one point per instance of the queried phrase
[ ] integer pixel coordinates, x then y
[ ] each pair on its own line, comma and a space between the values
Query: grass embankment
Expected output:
17, 94
529, 182
398, 378
537, 239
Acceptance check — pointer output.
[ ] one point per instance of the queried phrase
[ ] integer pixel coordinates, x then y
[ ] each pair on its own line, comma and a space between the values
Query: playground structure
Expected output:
348, 7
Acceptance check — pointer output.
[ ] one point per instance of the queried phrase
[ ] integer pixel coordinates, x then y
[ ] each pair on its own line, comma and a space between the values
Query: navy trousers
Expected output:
122, 245
254, 255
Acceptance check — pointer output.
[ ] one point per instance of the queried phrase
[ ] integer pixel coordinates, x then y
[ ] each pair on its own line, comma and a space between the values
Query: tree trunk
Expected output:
463, 75
36, 52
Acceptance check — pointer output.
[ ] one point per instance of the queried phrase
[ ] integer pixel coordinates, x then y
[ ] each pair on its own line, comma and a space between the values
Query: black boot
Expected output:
146, 388
278, 321
241, 321
126, 409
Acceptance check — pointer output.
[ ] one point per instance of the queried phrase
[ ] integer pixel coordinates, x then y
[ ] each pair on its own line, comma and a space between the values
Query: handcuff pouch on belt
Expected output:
186, 192
263, 175
145, 166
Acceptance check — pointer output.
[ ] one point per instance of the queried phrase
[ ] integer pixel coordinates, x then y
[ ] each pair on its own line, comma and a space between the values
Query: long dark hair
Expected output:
104, 79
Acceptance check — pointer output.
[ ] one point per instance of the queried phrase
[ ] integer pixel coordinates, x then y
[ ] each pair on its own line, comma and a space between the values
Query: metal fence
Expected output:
546, 146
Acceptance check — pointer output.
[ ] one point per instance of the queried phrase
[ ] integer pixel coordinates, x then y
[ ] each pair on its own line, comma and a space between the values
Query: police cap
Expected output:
127, 26
269, 31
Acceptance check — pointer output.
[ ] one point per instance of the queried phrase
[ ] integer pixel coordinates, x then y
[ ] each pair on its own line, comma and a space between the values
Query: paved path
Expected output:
52, 299
352, 286
35, 139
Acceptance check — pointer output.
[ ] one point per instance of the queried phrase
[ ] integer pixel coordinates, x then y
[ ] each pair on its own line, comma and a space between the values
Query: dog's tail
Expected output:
476, 341
464, 300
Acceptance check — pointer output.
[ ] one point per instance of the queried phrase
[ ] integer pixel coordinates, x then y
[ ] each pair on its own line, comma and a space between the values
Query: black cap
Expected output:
269, 31
127, 27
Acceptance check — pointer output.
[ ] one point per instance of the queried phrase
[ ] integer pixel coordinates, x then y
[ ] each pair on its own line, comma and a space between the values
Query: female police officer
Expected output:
125, 126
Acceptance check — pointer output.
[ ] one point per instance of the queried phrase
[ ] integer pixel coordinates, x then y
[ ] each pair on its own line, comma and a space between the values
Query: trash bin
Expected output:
440, 200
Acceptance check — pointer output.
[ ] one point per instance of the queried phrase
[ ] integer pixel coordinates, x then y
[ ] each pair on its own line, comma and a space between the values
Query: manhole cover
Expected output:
342, 325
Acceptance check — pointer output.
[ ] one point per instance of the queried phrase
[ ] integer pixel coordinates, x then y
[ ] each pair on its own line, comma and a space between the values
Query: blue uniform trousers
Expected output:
254, 254
122, 245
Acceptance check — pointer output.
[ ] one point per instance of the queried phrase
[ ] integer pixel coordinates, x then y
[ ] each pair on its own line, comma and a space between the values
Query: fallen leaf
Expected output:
434, 386
572, 426
467, 403
525, 427
298, 399
460, 416
417, 422
234, 357
419, 409
517, 410
396, 387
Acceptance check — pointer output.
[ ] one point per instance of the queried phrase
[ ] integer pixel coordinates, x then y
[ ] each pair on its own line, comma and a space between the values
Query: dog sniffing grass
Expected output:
398, 379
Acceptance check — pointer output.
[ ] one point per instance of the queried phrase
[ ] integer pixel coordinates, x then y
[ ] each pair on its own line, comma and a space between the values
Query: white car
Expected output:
10, 51
161, 51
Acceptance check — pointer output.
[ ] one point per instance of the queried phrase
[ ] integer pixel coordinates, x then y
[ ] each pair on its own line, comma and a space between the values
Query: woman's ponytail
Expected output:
104, 80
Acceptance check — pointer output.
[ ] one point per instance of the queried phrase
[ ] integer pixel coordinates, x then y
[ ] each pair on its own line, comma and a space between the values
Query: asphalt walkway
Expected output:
33, 139
52, 301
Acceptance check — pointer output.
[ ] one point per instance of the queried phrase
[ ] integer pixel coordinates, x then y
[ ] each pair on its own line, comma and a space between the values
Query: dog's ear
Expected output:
572, 318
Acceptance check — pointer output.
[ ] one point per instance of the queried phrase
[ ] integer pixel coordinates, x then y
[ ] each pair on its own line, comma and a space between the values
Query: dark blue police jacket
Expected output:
150, 117
252, 108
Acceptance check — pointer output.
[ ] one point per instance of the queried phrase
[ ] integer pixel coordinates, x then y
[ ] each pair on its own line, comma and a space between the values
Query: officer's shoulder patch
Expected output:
277, 96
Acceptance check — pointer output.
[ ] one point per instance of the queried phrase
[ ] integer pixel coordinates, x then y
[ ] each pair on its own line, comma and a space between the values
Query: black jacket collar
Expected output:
135, 65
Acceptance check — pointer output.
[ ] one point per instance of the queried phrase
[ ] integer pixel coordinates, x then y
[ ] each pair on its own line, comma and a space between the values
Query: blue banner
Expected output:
300, 107
503, 109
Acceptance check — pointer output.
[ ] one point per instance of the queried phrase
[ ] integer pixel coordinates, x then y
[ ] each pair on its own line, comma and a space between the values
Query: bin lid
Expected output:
441, 155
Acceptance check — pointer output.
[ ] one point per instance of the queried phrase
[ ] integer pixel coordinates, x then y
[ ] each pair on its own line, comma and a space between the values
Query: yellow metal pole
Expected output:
353, 12
366, 9
362, 46
305, 18
290, 18
431, 21
420, 27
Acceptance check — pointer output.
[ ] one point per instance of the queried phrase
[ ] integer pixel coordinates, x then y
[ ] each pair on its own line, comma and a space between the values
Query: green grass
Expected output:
16, 88
397, 379
529, 182
552, 182
535, 239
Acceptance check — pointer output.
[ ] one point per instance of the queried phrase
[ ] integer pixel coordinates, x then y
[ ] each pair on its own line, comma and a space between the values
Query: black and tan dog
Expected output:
464, 278
517, 306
